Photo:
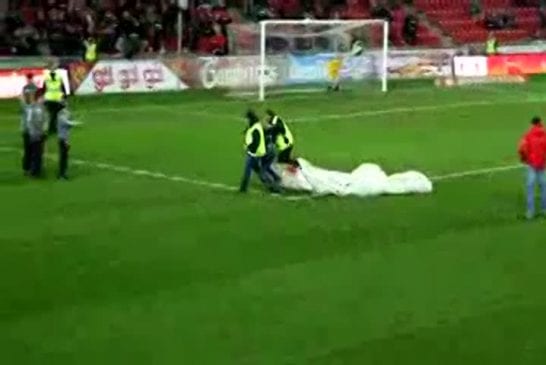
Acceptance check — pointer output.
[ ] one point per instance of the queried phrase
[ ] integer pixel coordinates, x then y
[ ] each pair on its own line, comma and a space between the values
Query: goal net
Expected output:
308, 55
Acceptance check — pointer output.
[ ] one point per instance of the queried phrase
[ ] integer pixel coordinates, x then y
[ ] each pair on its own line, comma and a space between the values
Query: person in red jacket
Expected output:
532, 152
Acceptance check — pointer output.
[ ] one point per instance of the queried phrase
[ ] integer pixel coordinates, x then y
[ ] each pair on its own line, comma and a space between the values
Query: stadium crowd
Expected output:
129, 27
125, 27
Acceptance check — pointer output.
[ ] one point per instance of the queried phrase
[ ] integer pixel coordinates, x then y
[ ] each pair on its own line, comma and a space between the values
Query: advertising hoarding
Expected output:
314, 68
470, 66
517, 64
418, 64
12, 81
123, 76
237, 72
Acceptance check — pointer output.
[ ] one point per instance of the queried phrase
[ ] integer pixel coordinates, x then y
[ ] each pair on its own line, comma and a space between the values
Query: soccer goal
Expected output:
308, 54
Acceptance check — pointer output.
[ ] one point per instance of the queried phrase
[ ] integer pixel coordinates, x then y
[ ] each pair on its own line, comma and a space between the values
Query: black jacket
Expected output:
253, 146
276, 129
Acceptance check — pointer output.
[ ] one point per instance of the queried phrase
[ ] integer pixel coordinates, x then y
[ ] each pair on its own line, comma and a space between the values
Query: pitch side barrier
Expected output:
500, 68
242, 73
13, 80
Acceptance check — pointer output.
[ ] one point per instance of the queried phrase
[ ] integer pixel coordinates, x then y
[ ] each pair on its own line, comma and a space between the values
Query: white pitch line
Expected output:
395, 110
477, 172
389, 109
147, 173
365, 113
418, 108
220, 186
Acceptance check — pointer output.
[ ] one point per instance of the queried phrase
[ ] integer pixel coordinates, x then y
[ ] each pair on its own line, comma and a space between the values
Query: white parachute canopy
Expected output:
368, 179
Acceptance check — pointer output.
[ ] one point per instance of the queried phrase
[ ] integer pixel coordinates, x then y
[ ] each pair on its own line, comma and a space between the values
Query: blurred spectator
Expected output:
55, 27
526, 3
500, 19
88, 20
153, 28
321, 9
398, 14
542, 16
475, 8
21, 38
129, 41
221, 15
492, 44
90, 54
73, 34
381, 11
263, 13
170, 24
125, 27
409, 31
25, 40
218, 42
307, 6
107, 32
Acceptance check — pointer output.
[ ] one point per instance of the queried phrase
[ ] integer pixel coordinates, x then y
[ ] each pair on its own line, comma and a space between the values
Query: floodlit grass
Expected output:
117, 268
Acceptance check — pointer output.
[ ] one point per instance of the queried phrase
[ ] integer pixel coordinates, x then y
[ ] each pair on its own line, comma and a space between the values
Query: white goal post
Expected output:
322, 28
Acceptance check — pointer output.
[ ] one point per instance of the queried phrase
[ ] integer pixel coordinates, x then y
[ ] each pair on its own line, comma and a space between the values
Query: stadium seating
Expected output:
455, 19
203, 14
360, 9
355, 9
285, 8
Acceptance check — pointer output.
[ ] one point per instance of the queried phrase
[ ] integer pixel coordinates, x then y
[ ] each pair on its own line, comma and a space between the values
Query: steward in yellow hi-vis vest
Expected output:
283, 138
256, 152
90, 55
492, 45
54, 97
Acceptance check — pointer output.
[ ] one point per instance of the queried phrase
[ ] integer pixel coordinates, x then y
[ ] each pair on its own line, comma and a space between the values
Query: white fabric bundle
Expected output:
366, 180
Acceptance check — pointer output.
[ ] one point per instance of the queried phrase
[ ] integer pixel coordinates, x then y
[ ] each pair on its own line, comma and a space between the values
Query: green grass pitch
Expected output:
148, 257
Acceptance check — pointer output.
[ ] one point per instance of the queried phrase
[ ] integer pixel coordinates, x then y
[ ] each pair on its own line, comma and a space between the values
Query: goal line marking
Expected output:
225, 187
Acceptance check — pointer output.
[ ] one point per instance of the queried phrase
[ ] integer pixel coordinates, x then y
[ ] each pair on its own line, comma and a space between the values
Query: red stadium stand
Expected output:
455, 19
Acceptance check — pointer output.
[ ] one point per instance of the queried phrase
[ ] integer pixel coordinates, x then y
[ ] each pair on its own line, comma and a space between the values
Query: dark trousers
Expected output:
285, 156
26, 152
64, 147
256, 164
36, 157
267, 162
53, 108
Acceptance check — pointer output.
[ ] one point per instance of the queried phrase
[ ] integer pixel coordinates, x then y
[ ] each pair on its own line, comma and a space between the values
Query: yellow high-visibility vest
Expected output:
54, 91
261, 150
91, 52
283, 141
491, 46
